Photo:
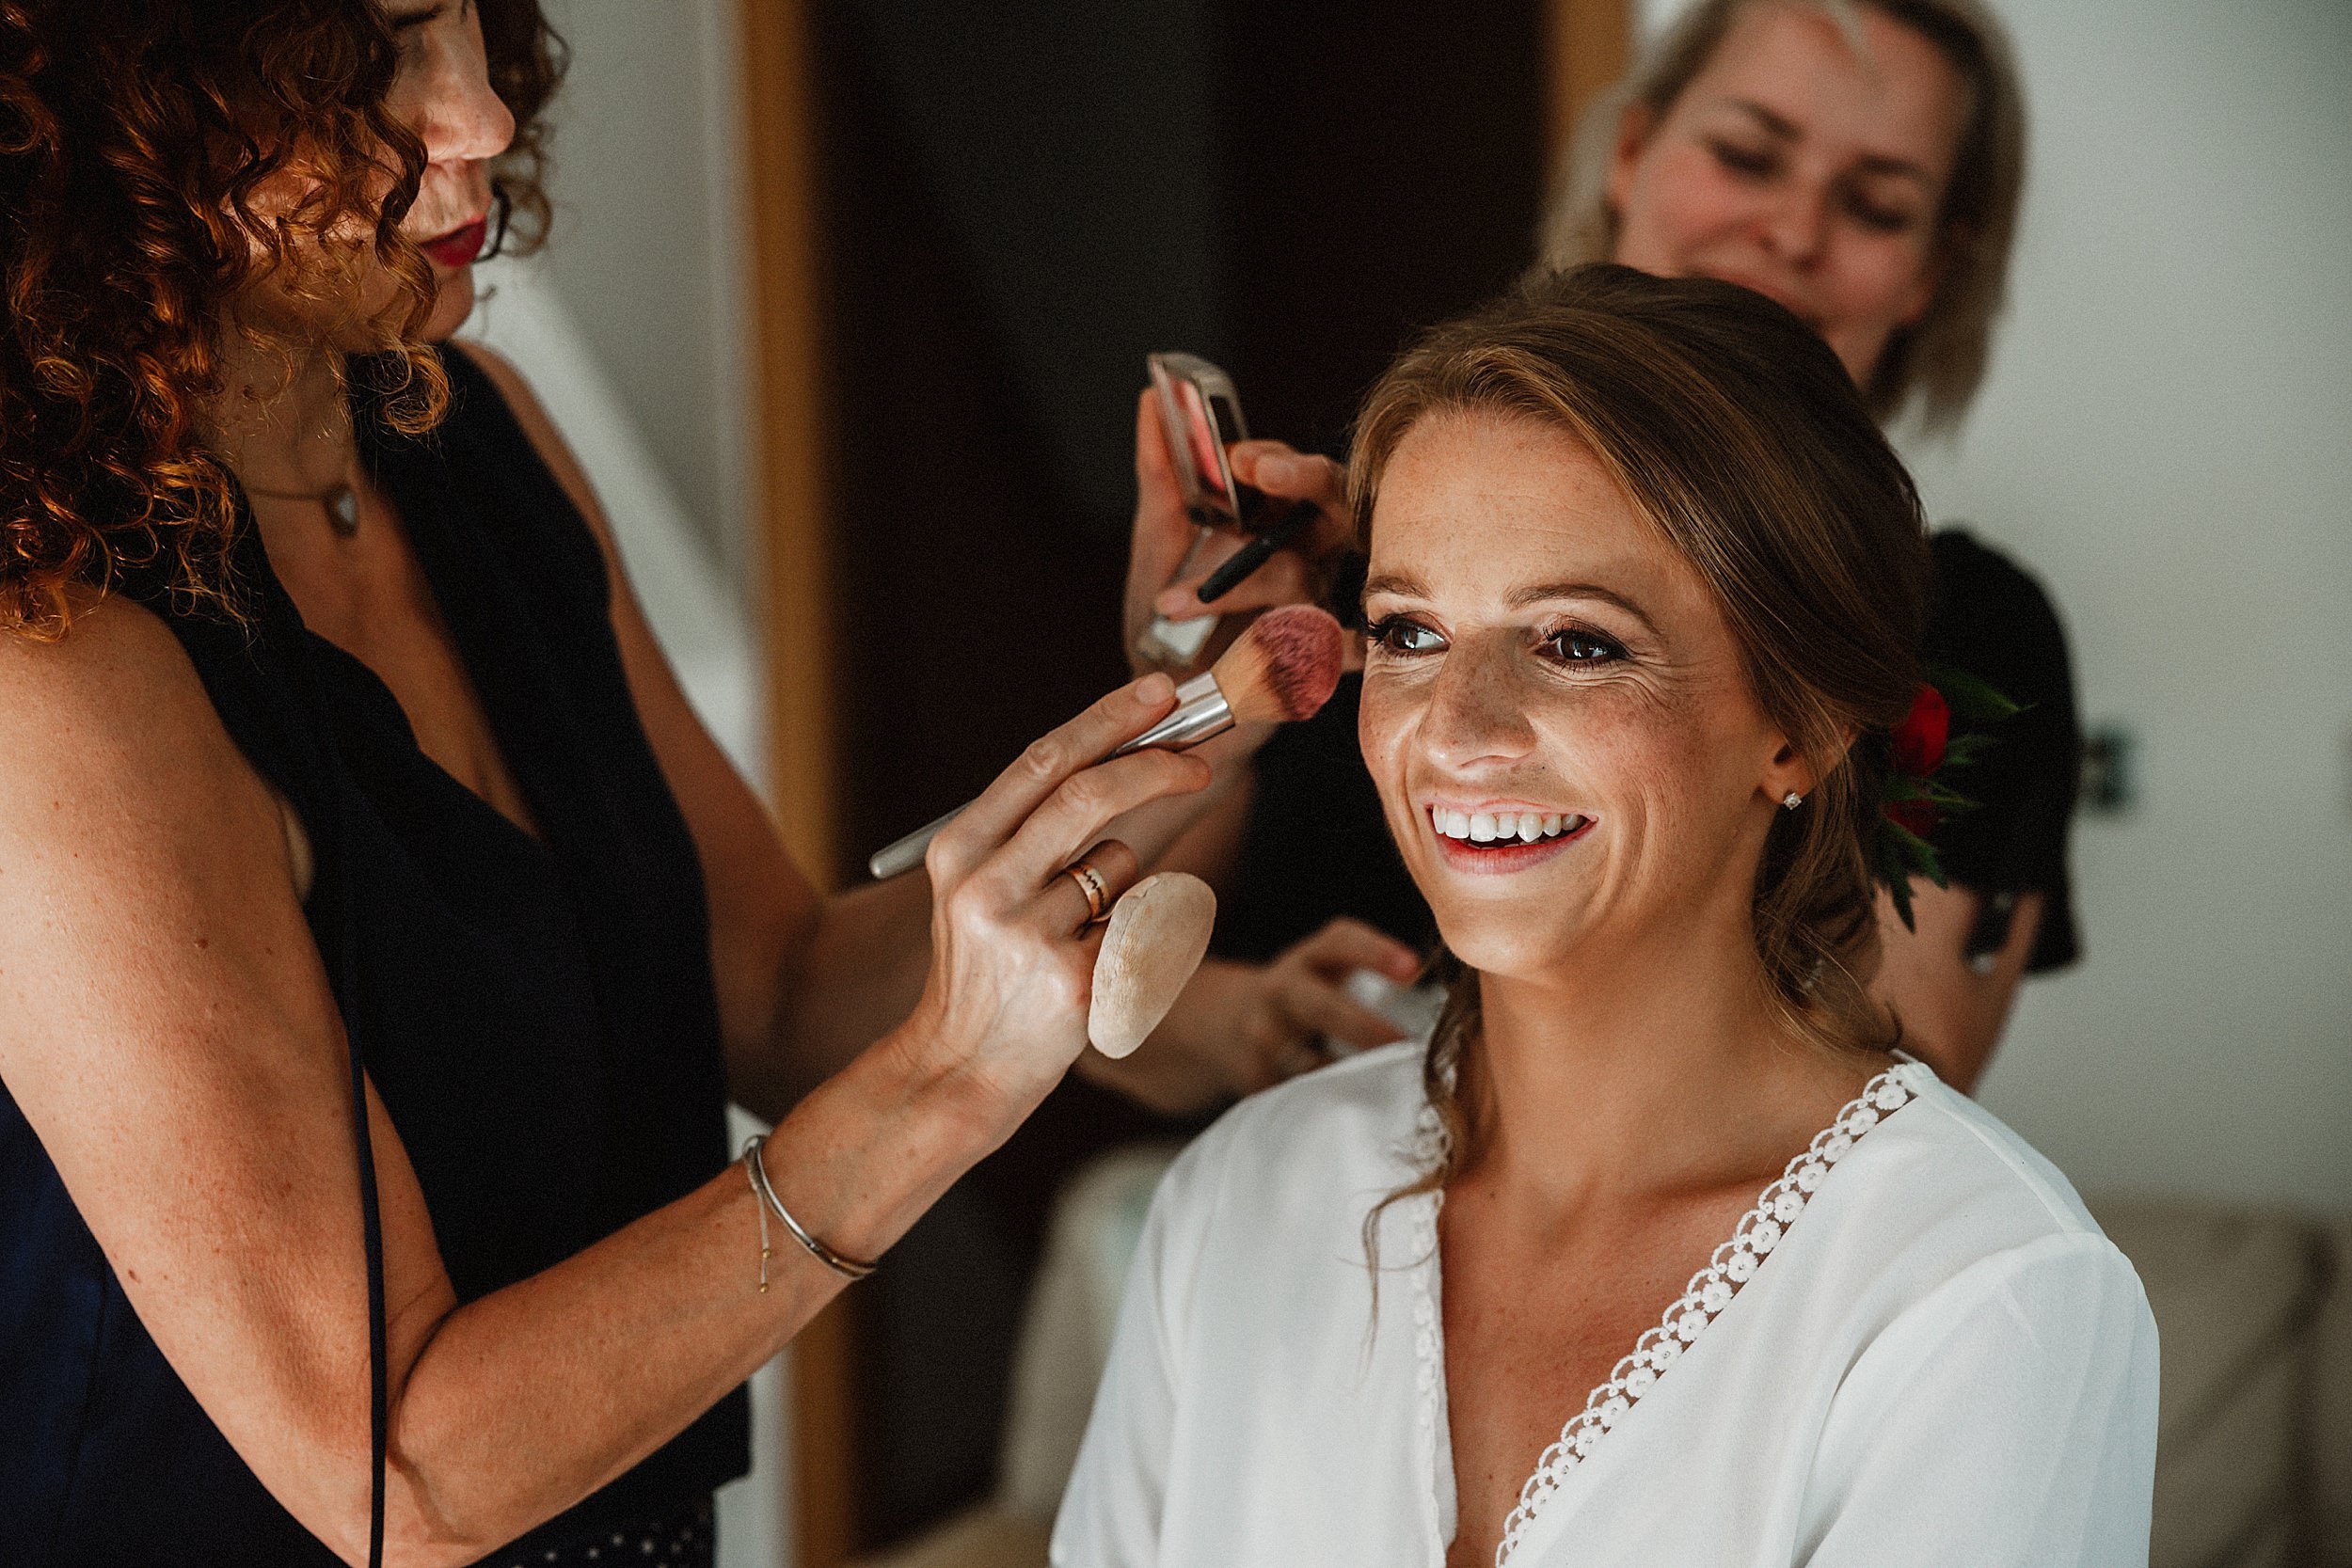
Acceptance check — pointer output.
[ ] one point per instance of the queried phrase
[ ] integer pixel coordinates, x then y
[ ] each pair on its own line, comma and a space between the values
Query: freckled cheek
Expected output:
1637, 758
1384, 728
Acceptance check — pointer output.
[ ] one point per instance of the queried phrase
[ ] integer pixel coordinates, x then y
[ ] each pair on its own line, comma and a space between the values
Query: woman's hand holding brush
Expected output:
1004, 1011
1281, 670
1018, 869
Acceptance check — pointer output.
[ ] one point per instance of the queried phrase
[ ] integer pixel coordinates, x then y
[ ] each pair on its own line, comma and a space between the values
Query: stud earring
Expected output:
1792, 800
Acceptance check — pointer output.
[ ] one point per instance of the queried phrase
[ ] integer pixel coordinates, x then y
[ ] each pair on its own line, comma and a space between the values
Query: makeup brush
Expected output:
1281, 670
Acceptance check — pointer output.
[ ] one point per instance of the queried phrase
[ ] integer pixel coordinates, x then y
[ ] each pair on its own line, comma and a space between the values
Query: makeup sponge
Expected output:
1158, 931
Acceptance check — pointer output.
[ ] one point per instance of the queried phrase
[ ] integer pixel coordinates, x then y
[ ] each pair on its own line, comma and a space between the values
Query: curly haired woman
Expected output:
380, 934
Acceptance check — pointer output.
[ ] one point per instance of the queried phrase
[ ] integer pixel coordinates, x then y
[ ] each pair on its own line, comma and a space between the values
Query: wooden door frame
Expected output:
1591, 48
793, 528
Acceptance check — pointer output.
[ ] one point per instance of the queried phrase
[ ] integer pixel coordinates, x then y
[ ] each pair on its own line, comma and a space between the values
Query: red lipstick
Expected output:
459, 247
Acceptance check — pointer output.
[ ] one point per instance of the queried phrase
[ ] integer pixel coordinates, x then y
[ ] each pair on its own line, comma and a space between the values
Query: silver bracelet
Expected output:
760, 1203
848, 1268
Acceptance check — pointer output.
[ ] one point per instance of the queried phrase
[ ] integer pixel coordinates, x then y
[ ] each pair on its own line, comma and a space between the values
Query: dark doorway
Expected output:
1021, 201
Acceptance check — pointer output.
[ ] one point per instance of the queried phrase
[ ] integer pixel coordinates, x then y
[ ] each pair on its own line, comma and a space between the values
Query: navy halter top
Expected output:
537, 1013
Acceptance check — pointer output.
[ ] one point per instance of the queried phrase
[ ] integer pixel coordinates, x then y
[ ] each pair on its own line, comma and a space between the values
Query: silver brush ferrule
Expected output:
1202, 713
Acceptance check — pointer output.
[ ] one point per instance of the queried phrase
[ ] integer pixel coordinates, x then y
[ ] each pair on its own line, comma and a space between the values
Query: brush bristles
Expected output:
1284, 668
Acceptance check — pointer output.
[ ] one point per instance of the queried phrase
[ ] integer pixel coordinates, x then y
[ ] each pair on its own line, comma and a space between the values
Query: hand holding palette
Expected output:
1158, 933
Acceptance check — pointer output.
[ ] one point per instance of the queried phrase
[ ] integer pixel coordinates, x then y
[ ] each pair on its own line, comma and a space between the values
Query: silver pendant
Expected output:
342, 510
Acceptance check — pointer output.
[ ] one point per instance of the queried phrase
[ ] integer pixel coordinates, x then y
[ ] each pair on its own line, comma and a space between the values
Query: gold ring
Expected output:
1091, 883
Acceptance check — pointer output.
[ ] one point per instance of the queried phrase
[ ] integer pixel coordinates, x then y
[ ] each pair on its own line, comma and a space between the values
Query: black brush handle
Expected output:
1256, 553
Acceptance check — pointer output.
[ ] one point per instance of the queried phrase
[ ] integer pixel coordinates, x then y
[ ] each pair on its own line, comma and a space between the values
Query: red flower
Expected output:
1913, 817
1917, 747
1919, 738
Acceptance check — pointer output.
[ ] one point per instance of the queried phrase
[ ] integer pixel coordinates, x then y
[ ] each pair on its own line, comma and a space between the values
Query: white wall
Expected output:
649, 245
2167, 440
2168, 436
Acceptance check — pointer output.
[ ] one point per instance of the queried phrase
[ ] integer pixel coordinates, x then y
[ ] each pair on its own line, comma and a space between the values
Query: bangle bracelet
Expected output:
848, 1268
761, 1204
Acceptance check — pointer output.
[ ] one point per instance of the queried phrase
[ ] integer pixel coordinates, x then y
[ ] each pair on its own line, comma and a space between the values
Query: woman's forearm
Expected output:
521, 1403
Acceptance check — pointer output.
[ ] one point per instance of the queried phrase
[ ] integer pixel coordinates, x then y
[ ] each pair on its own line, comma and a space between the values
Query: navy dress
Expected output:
537, 1012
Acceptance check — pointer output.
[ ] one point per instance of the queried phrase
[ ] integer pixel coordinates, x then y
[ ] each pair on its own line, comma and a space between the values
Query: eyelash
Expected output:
1610, 650
1884, 220
1742, 159
1753, 165
1383, 633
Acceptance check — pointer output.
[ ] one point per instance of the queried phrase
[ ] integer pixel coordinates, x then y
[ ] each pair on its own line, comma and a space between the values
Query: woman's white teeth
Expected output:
1480, 827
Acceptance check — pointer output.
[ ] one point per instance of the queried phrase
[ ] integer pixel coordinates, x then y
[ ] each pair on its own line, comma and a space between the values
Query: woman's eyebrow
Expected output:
1406, 586
1776, 124
1545, 592
419, 18
1781, 128
1399, 584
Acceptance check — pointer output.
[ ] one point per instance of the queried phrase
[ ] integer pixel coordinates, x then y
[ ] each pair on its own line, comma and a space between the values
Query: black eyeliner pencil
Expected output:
1256, 553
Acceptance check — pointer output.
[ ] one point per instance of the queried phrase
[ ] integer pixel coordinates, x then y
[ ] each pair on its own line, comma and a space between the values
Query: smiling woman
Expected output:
1819, 567
1860, 163
1645, 584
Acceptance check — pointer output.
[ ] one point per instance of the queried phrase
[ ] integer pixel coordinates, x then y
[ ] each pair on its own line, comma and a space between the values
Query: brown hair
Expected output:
134, 135
1733, 429
1941, 359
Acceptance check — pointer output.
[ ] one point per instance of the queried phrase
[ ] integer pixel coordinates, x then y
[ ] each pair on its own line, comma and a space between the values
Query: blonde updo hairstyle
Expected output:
1939, 362
1736, 433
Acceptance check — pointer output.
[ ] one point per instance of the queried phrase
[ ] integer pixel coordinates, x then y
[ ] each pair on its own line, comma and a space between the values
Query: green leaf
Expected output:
1898, 889
1972, 701
1962, 751
1917, 854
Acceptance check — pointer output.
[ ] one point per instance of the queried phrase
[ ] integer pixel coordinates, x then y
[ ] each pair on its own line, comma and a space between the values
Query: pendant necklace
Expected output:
340, 502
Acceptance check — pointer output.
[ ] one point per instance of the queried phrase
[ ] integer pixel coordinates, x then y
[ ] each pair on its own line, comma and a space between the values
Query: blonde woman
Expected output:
1861, 162
1659, 1252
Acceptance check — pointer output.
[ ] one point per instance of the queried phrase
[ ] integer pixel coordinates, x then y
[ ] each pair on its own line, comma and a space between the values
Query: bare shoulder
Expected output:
123, 784
148, 889
169, 1032
115, 696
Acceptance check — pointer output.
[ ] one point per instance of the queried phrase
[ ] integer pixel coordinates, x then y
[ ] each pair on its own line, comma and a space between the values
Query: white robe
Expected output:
1940, 1361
